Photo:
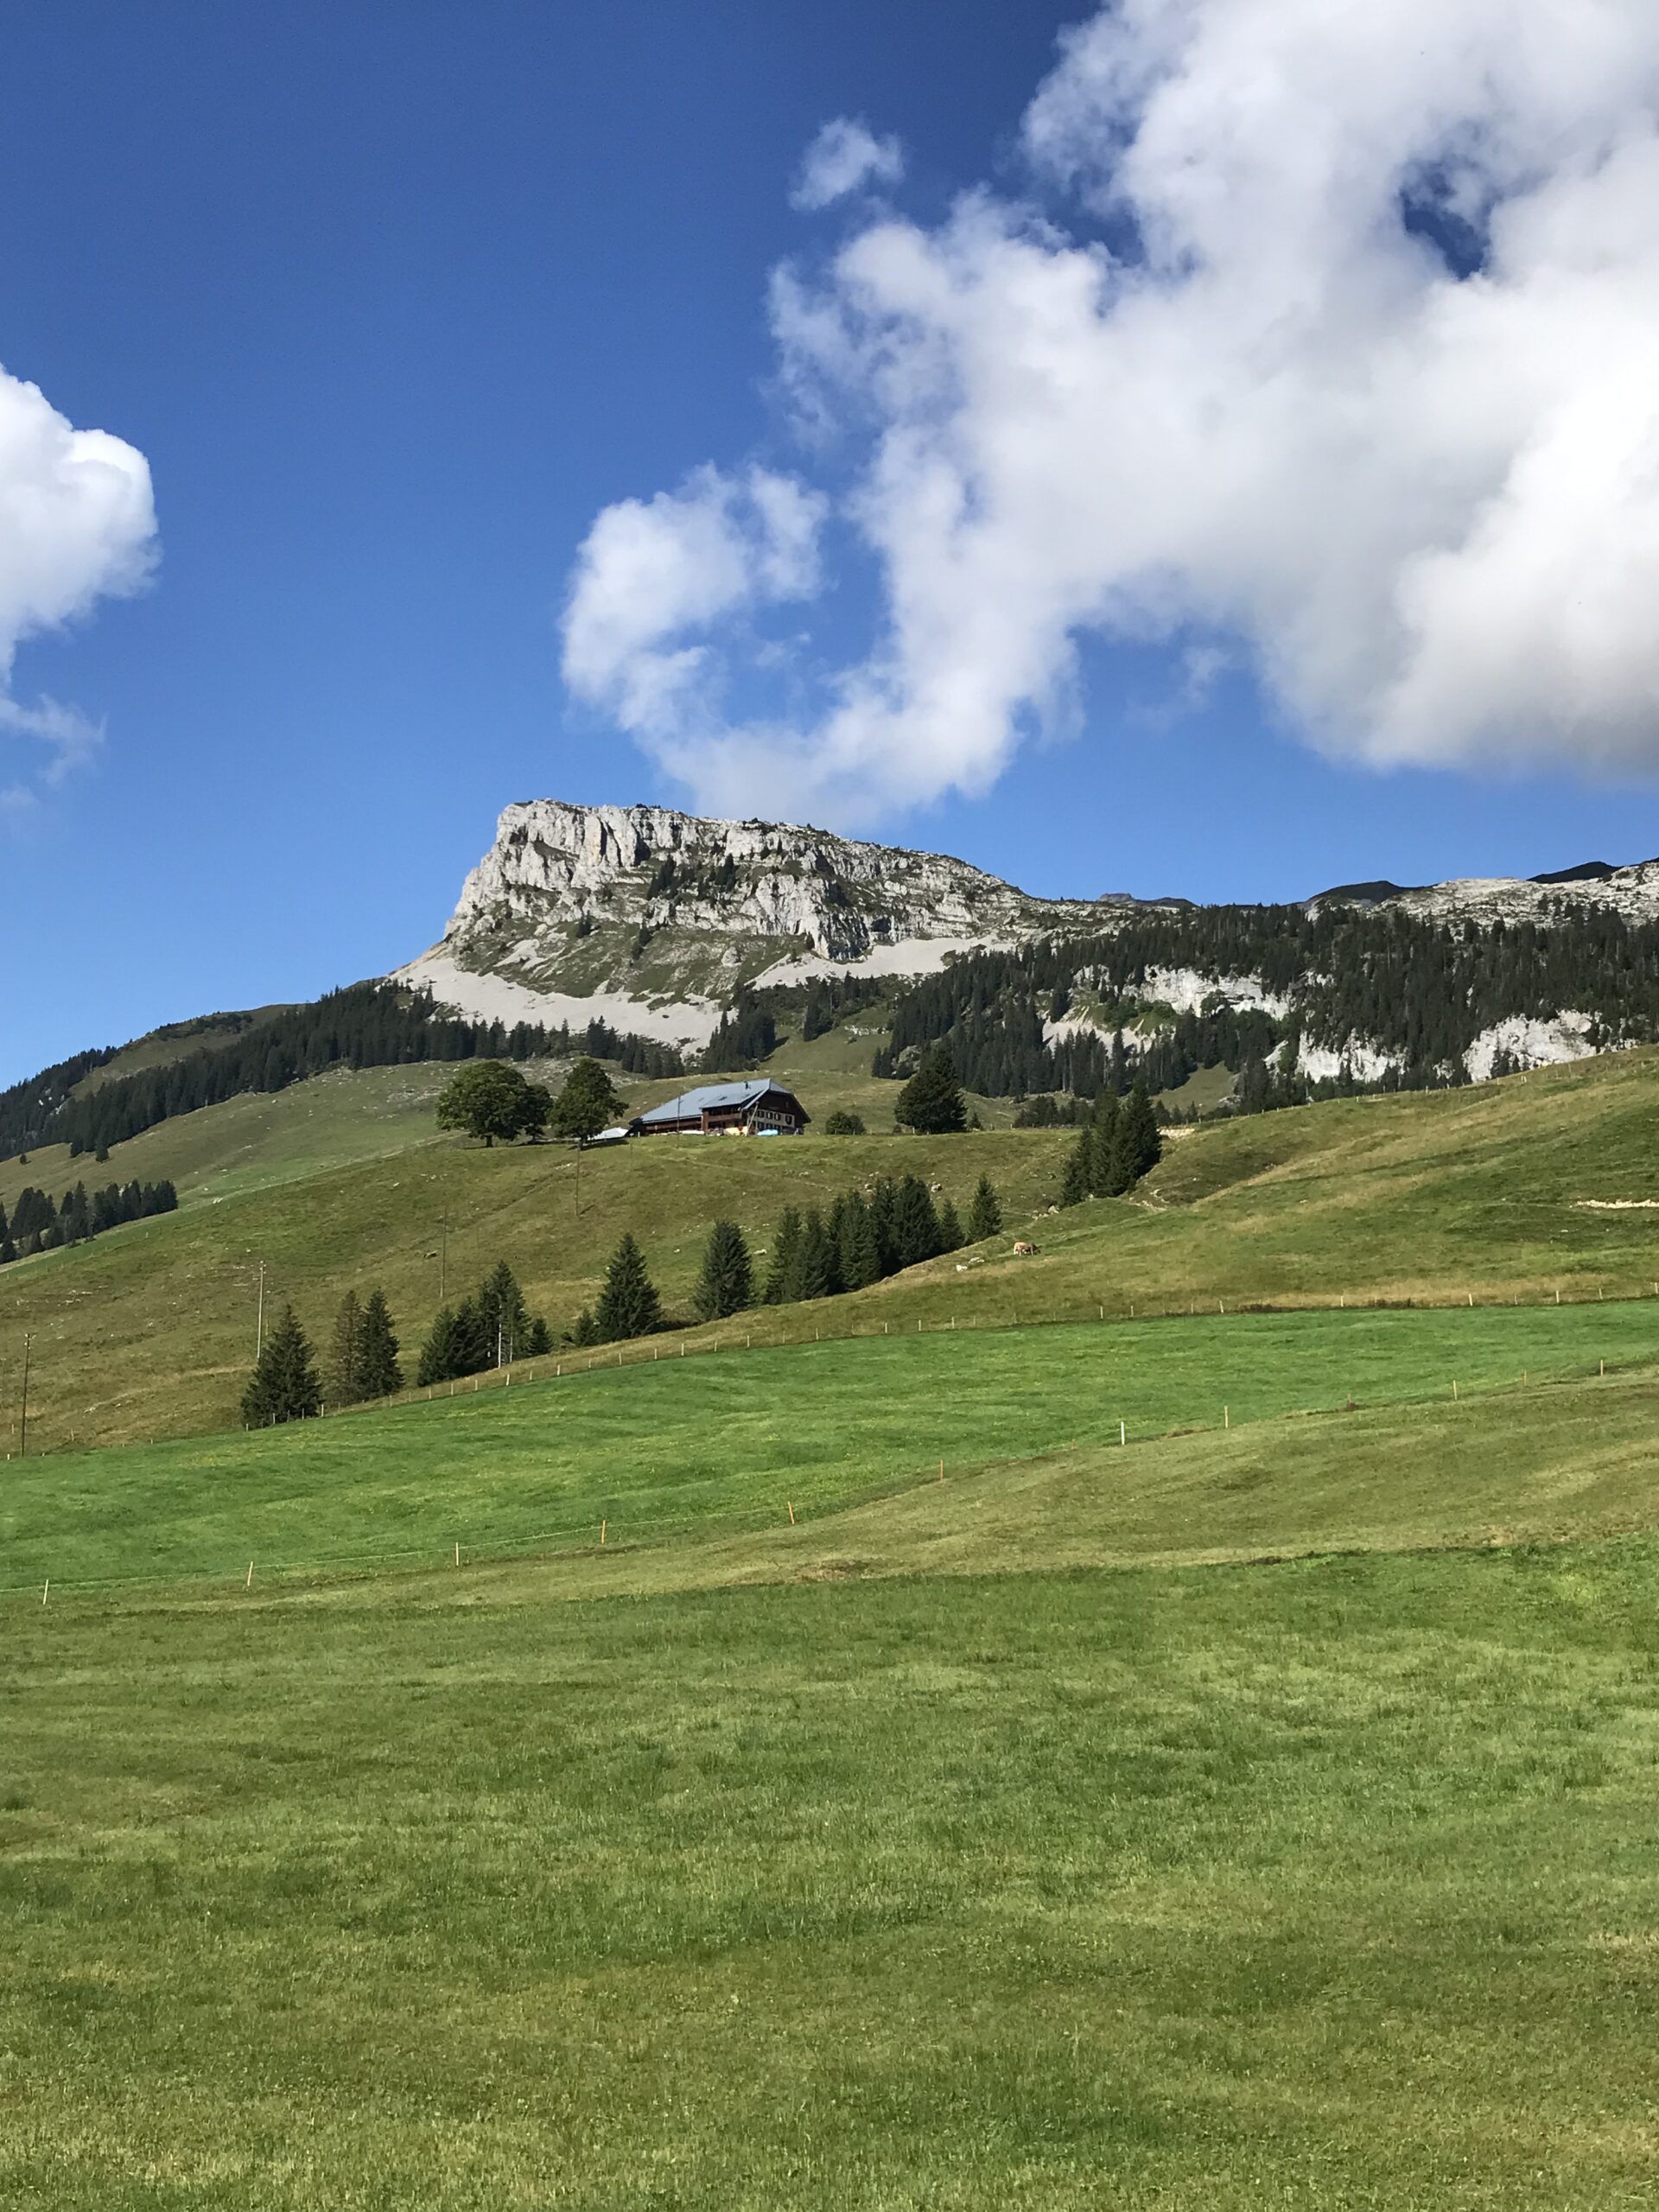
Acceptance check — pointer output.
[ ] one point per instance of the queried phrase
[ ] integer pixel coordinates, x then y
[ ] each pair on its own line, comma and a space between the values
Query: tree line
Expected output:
1418, 987
365, 1025
491, 1328
39, 1224
862, 1238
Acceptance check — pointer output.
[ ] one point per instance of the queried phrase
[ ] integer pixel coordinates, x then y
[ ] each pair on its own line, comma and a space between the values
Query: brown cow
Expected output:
1023, 1251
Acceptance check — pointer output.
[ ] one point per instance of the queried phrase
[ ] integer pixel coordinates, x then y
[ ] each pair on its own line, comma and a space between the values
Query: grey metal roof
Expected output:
708, 1096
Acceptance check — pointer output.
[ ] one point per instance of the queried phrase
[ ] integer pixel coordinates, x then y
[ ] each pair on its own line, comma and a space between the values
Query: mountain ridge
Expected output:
657, 920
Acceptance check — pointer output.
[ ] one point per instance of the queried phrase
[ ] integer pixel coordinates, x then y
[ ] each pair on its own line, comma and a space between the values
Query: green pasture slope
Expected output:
341, 1184
918, 1858
1243, 1816
735, 1440
149, 1331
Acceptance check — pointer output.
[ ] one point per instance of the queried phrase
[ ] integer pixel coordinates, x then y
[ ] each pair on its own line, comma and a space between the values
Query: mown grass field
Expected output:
735, 1440
1328, 1886
1247, 1816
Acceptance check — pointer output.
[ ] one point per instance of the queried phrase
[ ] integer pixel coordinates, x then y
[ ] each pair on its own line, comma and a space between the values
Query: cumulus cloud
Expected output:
845, 157
1329, 338
652, 572
77, 524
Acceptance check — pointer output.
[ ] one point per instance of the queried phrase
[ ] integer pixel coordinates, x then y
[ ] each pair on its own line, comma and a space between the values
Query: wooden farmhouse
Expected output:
759, 1108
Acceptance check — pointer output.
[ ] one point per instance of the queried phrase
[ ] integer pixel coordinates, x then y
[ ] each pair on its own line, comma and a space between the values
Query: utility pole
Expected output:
22, 1425
259, 1324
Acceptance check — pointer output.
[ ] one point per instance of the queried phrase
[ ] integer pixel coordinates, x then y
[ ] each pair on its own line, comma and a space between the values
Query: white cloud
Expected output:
77, 524
845, 157
1369, 392
650, 572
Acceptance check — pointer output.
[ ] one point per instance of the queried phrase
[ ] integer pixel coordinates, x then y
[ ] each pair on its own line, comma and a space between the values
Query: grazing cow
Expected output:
1023, 1251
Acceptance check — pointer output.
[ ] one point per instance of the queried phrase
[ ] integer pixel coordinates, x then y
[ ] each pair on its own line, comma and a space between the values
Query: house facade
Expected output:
758, 1107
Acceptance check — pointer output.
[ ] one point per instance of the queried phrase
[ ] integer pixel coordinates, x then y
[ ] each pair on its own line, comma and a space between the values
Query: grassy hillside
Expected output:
1243, 1815
1329, 1885
734, 1443
340, 1183
149, 1331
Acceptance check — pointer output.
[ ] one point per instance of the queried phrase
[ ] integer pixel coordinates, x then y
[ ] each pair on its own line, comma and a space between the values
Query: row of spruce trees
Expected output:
491, 1328
860, 1240
39, 1225
286, 1385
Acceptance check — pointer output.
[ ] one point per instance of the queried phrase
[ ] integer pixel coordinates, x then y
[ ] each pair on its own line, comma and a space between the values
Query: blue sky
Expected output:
395, 301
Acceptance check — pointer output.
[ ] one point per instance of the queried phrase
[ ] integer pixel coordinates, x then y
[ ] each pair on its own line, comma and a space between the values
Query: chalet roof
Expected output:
710, 1097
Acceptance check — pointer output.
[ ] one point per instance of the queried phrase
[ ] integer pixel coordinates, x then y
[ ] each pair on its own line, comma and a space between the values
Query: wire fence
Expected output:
601, 1528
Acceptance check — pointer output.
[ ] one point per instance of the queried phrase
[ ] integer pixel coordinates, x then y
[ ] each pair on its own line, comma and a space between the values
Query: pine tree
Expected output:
727, 1283
346, 1357
816, 1273
474, 1339
915, 1225
438, 1354
985, 1214
584, 1330
628, 1304
8, 1249
860, 1259
1140, 1144
380, 1373
284, 1384
785, 1247
1100, 1143
884, 1207
540, 1338
1078, 1181
503, 1316
932, 1102
950, 1236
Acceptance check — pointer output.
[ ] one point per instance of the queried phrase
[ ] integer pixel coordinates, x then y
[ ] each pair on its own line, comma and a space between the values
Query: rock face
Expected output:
838, 899
651, 919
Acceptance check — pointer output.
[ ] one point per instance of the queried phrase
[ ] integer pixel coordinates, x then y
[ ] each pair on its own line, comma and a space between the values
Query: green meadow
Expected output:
660, 1445
1329, 1885
664, 1786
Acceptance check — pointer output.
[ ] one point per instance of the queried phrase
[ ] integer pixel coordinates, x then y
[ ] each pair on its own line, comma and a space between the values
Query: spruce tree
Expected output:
8, 1249
1100, 1146
1140, 1144
1078, 1181
504, 1318
951, 1237
474, 1339
584, 1330
932, 1102
346, 1356
727, 1283
915, 1226
380, 1373
284, 1384
884, 1207
985, 1214
540, 1338
438, 1359
860, 1260
628, 1304
785, 1247
816, 1273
